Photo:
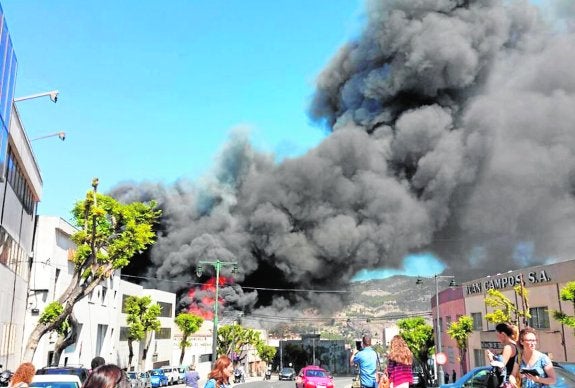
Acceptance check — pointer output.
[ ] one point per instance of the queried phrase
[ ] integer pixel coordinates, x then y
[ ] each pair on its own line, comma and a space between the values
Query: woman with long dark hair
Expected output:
507, 335
399, 363
219, 377
107, 376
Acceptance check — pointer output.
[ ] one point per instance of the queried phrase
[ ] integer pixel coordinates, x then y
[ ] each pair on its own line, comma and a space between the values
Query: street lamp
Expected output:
52, 94
440, 374
61, 135
217, 265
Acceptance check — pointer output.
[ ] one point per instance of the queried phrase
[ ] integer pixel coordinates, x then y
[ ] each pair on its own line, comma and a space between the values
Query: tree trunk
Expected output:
463, 363
131, 352
70, 339
73, 294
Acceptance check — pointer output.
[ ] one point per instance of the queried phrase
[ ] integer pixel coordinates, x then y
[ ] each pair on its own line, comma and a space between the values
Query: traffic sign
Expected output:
440, 358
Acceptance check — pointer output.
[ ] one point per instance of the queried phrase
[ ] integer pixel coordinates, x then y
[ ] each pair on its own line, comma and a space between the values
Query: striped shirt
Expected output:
399, 373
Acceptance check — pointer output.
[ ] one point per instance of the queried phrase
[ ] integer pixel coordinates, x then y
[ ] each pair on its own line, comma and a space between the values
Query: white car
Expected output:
172, 374
56, 381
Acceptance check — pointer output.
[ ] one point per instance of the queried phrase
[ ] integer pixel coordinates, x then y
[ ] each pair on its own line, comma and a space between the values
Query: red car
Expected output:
314, 377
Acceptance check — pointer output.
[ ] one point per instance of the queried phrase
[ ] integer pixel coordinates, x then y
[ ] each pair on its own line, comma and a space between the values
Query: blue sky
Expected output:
151, 90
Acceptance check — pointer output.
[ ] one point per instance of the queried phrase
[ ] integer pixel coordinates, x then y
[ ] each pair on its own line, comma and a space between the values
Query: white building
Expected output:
103, 328
20, 191
50, 275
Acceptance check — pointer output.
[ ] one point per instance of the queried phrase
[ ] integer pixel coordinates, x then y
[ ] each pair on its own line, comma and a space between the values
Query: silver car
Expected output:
135, 381
145, 378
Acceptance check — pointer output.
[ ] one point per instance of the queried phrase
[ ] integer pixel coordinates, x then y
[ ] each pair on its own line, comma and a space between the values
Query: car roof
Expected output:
58, 377
313, 367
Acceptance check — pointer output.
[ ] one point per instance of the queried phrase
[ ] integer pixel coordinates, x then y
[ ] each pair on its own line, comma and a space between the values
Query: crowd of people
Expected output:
519, 364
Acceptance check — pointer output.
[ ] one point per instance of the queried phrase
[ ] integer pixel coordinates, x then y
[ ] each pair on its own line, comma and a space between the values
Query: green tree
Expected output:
233, 339
567, 294
460, 331
142, 318
419, 338
109, 235
266, 352
504, 309
188, 324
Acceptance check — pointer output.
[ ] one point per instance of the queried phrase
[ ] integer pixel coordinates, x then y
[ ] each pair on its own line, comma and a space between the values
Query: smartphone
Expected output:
532, 372
358, 345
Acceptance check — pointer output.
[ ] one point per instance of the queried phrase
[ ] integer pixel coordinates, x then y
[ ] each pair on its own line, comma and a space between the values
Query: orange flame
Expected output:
205, 307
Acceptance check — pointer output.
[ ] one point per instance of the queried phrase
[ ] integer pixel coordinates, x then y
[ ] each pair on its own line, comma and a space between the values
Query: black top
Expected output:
511, 362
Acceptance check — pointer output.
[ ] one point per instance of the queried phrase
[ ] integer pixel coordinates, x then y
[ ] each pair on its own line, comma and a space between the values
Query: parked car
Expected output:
79, 371
135, 381
158, 378
287, 374
146, 380
172, 373
182, 374
56, 381
477, 378
569, 366
313, 377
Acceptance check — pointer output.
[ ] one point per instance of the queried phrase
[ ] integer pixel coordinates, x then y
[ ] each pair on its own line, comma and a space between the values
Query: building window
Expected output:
479, 357
450, 355
19, 183
164, 333
166, 309
206, 357
447, 321
539, 318
477, 321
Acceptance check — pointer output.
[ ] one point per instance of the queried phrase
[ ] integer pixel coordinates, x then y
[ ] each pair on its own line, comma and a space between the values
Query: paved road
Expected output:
259, 382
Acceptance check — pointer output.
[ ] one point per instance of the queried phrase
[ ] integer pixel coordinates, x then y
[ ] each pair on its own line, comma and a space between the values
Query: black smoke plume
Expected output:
452, 131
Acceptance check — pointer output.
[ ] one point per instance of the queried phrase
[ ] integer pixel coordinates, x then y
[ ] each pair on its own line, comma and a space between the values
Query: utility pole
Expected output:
440, 374
217, 266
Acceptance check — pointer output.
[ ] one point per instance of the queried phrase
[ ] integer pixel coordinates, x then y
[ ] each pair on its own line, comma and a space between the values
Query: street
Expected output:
259, 382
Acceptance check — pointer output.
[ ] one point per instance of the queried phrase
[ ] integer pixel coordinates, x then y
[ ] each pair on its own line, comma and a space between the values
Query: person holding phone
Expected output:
507, 336
366, 359
536, 369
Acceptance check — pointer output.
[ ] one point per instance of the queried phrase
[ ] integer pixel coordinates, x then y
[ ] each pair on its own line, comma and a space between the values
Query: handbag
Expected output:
383, 379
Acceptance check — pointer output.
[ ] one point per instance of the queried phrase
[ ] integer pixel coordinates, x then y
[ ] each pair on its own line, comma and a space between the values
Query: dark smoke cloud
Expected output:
452, 131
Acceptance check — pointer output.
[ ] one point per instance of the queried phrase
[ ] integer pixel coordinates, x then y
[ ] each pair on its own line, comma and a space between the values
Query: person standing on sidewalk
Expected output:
399, 364
192, 377
219, 377
367, 360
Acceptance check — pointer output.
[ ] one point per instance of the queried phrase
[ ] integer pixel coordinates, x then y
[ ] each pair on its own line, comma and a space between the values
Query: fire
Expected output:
203, 305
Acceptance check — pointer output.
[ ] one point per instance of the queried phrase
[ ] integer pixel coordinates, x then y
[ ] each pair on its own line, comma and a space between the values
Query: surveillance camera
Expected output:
54, 96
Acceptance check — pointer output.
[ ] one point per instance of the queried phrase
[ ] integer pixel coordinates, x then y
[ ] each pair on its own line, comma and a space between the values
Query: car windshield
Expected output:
156, 373
54, 384
132, 375
287, 370
315, 373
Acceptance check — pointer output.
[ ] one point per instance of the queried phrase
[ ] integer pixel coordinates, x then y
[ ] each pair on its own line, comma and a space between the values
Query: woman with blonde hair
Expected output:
535, 369
219, 377
399, 363
23, 375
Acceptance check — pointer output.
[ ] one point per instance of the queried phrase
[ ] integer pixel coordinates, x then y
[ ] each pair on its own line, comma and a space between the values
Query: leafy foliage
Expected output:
504, 309
188, 325
418, 335
232, 340
109, 235
51, 312
142, 316
266, 352
460, 331
567, 294
419, 338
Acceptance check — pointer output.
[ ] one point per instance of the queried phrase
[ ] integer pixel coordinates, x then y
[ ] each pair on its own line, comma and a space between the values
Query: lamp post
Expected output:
218, 266
440, 374
53, 94
61, 135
